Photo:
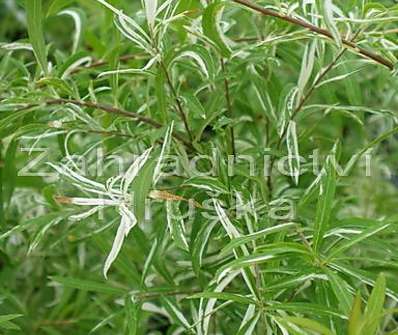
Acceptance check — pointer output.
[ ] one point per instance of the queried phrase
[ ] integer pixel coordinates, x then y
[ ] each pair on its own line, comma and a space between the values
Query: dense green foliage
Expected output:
253, 113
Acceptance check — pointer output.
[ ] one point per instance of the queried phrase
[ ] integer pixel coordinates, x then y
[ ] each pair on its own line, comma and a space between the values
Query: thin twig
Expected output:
93, 131
320, 31
229, 107
177, 100
105, 108
108, 109
118, 111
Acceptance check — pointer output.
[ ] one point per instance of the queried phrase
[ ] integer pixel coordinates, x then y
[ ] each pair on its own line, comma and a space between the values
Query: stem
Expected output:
112, 110
229, 107
320, 31
178, 102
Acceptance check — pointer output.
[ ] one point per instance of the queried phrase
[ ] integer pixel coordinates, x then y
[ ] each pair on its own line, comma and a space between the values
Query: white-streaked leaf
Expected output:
206, 314
144, 69
197, 58
129, 28
176, 225
328, 14
134, 169
35, 29
293, 151
77, 19
127, 223
325, 204
175, 312
16, 46
150, 11
307, 66
212, 27
163, 152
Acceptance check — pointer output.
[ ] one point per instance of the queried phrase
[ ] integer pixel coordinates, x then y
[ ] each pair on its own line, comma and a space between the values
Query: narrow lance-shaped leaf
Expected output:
353, 241
341, 291
374, 309
328, 14
308, 324
127, 223
238, 298
77, 17
307, 66
325, 204
211, 27
175, 224
293, 151
35, 29
355, 319
150, 11
5, 321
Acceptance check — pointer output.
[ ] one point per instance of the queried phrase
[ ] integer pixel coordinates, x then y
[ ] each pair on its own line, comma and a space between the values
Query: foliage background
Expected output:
239, 83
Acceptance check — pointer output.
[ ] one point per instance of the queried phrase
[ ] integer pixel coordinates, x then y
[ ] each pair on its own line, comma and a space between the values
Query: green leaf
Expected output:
141, 187
307, 324
10, 171
248, 327
237, 242
325, 204
293, 152
175, 312
211, 27
355, 319
176, 226
256, 258
200, 242
341, 290
5, 321
353, 241
210, 184
34, 12
374, 309
241, 299
89, 285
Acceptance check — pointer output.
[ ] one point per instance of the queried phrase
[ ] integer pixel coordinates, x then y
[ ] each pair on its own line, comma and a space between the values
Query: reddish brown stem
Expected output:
363, 52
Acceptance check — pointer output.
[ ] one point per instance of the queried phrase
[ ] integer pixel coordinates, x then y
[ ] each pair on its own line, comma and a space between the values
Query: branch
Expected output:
177, 100
298, 22
117, 111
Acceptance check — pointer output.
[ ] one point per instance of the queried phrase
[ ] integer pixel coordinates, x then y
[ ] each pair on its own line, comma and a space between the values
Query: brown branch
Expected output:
114, 110
363, 52
177, 100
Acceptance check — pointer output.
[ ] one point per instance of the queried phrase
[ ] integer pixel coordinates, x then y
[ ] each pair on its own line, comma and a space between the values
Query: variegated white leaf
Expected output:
163, 152
206, 314
307, 66
78, 26
293, 151
328, 13
134, 169
127, 223
197, 58
146, 68
150, 11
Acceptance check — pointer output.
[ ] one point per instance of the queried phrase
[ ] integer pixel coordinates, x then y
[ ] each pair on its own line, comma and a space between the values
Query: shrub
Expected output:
198, 167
